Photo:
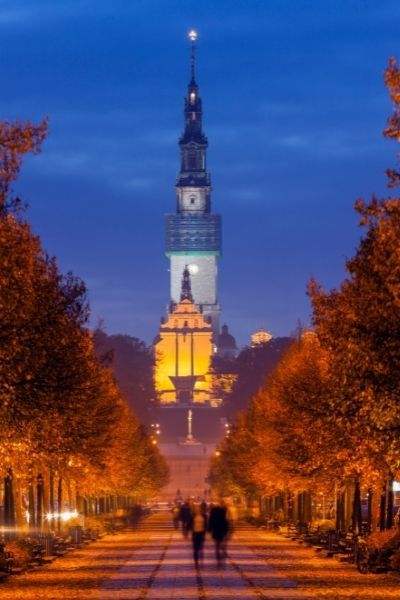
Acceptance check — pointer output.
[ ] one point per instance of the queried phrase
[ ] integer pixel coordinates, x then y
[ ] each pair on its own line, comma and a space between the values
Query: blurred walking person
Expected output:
218, 526
175, 516
198, 525
185, 515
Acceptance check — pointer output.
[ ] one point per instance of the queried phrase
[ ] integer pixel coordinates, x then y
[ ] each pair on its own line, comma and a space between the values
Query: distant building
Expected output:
260, 337
226, 344
188, 465
183, 350
308, 335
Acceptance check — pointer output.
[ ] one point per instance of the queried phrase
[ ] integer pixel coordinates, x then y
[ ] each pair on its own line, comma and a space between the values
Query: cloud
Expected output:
331, 143
294, 141
30, 13
138, 183
10, 16
276, 109
248, 194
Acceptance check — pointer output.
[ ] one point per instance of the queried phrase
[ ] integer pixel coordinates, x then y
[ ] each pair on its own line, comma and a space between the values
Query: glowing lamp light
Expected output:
69, 514
192, 35
64, 516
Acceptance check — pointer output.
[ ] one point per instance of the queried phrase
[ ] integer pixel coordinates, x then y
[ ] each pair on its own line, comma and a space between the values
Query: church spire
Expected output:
193, 142
193, 233
186, 293
193, 38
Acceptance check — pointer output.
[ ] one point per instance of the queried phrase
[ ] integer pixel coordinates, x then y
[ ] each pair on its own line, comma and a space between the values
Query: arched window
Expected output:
192, 159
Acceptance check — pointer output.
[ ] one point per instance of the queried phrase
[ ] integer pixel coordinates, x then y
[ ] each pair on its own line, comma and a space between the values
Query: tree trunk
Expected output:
39, 500
291, 507
370, 509
69, 494
19, 515
340, 511
45, 497
323, 508
59, 501
390, 503
307, 507
348, 505
31, 505
299, 511
356, 517
338, 519
375, 510
9, 503
80, 503
51, 492
382, 509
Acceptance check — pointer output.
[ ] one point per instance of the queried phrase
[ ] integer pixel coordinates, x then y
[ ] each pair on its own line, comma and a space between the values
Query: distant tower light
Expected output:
192, 35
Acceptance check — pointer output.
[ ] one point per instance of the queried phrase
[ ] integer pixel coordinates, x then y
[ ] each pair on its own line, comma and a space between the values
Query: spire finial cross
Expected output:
193, 37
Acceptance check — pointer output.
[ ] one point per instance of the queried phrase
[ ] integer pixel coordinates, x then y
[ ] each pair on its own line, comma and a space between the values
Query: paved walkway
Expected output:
154, 562
164, 570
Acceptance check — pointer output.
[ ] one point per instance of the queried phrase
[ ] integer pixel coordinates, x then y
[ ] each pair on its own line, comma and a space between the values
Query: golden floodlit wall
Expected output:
184, 348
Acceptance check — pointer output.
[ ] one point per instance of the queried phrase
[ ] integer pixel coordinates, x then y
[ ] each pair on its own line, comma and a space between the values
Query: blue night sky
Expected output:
294, 107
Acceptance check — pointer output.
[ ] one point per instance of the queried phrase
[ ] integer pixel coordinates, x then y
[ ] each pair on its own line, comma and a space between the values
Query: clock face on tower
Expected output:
193, 268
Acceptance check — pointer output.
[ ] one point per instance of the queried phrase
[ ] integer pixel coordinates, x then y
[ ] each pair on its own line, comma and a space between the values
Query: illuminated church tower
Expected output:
191, 413
193, 233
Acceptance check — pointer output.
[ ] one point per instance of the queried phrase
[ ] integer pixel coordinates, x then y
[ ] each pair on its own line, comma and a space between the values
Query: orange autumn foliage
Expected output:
16, 139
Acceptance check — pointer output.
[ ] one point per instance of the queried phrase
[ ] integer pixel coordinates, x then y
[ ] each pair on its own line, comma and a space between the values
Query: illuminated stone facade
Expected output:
260, 337
184, 349
188, 466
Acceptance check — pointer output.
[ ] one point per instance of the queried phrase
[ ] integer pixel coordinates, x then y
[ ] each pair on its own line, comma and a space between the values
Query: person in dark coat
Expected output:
198, 526
185, 515
218, 525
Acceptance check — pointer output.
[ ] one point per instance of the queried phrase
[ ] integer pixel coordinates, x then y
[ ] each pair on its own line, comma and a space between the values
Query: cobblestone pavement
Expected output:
155, 563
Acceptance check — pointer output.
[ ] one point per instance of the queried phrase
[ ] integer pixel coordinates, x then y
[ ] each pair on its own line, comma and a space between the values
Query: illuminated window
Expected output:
192, 97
